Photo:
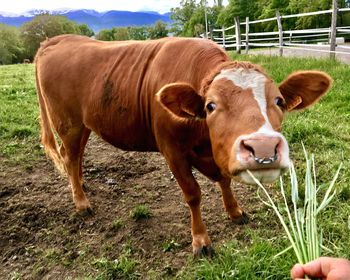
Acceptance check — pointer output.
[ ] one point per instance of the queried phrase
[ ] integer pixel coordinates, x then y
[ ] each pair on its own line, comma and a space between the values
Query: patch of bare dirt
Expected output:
41, 237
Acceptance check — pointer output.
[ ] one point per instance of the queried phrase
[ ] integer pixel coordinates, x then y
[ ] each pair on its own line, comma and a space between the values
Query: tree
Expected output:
138, 32
218, 3
114, 34
45, 26
303, 6
11, 47
189, 18
105, 35
182, 16
158, 30
238, 8
85, 30
120, 34
268, 9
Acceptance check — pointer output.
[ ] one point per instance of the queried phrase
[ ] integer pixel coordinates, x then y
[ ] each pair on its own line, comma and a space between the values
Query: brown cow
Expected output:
181, 97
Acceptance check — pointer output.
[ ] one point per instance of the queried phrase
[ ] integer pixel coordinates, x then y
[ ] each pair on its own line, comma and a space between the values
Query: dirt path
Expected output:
42, 238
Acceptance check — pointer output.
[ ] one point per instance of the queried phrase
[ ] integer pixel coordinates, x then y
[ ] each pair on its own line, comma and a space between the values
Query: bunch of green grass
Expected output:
300, 223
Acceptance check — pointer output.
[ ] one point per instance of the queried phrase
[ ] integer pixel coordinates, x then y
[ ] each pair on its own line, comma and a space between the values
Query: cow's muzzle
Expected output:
259, 151
267, 156
262, 149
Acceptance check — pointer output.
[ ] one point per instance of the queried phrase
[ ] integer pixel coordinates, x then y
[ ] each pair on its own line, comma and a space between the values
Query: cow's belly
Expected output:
123, 140
124, 134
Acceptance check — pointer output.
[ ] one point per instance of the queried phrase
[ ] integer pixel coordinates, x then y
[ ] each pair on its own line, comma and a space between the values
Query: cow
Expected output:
182, 97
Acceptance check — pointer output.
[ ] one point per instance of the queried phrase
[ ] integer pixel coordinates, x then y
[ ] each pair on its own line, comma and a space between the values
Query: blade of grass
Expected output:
282, 252
327, 197
291, 223
280, 217
295, 198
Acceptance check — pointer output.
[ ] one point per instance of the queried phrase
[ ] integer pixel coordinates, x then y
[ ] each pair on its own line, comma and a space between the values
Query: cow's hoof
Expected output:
85, 187
242, 220
88, 212
205, 251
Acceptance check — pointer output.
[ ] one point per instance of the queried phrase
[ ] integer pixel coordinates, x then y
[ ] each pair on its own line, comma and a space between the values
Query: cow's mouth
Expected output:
265, 176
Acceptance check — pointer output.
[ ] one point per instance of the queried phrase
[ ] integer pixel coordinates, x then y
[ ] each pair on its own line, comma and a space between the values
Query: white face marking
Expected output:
248, 78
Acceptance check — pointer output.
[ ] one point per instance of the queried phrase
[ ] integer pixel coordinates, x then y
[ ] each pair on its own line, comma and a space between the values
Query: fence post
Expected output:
211, 33
333, 29
238, 35
246, 35
223, 37
280, 32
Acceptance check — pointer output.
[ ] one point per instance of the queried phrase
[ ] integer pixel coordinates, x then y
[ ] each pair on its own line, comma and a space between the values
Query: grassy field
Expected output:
324, 130
18, 114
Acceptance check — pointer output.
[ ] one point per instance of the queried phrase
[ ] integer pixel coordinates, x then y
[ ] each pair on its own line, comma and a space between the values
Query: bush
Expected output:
11, 46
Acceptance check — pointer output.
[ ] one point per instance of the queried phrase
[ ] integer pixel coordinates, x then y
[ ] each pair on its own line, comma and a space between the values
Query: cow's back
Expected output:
110, 86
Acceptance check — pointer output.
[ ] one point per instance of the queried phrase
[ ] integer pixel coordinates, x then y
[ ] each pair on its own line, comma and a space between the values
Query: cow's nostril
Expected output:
248, 148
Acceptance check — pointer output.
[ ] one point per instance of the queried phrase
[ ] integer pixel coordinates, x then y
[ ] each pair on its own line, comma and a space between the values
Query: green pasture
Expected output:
19, 115
324, 130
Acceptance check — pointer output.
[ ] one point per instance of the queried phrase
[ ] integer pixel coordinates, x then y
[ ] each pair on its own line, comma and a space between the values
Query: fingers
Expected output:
321, 267
297, 271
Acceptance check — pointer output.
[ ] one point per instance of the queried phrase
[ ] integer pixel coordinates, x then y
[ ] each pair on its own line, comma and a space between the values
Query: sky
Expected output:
20, 6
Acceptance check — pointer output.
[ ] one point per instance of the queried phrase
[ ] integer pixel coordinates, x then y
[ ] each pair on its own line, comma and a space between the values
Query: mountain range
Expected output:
95, 20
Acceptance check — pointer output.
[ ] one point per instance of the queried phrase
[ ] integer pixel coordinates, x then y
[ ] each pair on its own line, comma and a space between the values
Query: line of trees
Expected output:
189, 17
156, 31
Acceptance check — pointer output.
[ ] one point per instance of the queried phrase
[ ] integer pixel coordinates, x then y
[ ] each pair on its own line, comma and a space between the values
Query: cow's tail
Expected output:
47, 131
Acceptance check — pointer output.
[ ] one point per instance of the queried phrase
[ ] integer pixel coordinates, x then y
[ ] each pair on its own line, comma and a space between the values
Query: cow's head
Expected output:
244, 110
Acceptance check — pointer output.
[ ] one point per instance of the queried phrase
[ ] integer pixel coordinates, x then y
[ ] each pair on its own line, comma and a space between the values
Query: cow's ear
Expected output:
302, 89
181, 100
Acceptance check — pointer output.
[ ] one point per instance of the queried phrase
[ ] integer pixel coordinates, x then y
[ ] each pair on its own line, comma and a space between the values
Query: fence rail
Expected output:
315, 39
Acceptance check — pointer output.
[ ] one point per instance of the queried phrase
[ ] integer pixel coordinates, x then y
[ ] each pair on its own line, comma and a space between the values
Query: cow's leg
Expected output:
208, 168
73, 144
201, 243
84, 139
235, 212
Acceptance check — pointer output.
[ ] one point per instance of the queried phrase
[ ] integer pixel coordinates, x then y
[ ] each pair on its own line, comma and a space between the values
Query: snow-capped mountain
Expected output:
95, 20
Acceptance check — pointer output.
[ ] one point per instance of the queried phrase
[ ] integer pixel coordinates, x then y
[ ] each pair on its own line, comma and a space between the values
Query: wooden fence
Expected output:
318, 40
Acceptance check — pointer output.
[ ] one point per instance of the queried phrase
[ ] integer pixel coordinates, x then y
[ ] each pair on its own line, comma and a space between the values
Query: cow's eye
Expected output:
280, 102
211, 106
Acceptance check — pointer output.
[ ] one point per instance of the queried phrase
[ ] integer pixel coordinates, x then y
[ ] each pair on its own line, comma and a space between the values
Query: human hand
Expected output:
324, 268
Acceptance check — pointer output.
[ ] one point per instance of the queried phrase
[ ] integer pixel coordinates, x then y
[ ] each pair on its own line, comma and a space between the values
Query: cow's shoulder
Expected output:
63, 41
